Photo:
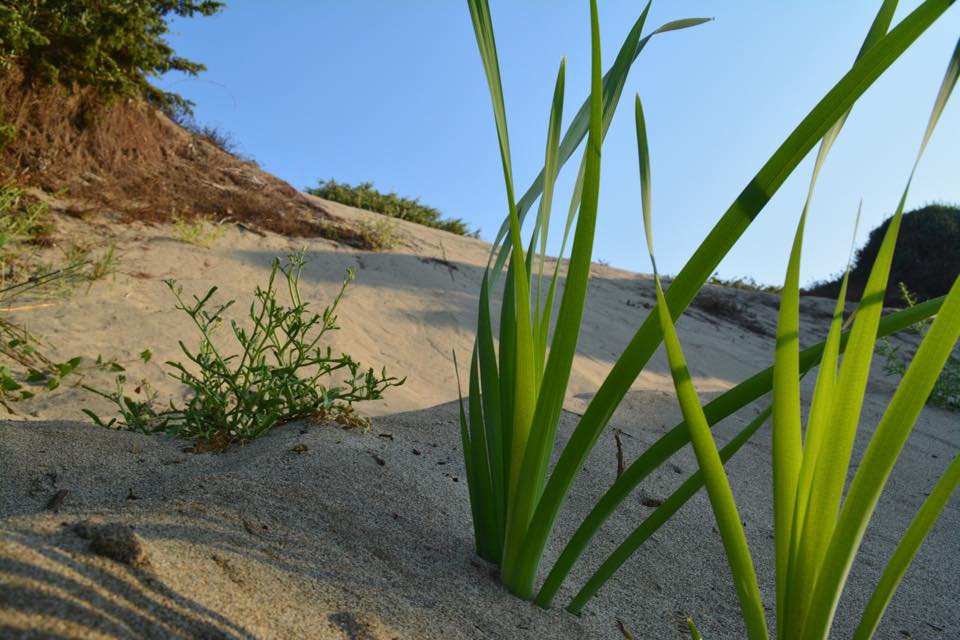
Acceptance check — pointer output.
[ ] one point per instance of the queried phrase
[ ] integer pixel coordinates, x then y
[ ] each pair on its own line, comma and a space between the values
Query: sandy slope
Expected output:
261, 541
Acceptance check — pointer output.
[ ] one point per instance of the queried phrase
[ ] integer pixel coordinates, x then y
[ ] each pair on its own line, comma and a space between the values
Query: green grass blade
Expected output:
508, 389
472, 483
715, 480
787, 438
658, 518
551, 168
492, 413
704, 446
480, 467
564, 344
705, 260
878, 461
907, 549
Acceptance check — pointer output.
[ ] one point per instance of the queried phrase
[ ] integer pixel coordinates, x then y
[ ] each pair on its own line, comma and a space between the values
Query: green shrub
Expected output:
365, 196
927, 257
276, 377
111, 45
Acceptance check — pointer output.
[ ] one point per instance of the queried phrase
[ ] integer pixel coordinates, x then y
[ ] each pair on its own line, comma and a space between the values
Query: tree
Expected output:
114, 46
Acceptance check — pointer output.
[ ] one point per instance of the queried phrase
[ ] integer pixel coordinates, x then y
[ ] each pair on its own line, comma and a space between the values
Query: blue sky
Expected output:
394, 93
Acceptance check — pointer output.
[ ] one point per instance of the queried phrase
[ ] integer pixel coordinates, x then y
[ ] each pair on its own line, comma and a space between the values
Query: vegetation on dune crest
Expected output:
114, 46
517, 385
927, 259
365, 196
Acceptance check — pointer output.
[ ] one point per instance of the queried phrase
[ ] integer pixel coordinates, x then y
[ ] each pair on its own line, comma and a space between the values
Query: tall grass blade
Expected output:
473, 484
704, 446
488, 542
551, 168
496, 439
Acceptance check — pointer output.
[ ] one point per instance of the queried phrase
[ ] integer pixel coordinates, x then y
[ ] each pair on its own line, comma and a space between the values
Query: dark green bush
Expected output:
926, 260
365, 196
111, 45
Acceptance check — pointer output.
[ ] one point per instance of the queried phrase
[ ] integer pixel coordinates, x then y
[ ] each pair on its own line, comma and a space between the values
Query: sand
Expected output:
317, 532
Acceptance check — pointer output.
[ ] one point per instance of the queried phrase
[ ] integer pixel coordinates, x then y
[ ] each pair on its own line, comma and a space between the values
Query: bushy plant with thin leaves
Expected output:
509, 423
818, 529
279, 374
366, 196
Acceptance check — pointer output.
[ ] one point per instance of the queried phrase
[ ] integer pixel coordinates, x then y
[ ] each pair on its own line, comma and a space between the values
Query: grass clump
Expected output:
365, 196
377, 235
198, 231
279, 374
517, 384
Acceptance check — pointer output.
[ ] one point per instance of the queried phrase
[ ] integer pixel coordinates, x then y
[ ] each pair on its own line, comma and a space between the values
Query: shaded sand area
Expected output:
317, 532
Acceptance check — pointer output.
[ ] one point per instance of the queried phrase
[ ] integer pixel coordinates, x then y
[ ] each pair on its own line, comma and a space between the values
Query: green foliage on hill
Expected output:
111, 45
926, 260
365, 196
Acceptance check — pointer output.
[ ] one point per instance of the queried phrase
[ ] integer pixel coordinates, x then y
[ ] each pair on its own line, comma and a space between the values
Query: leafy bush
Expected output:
365, 196
276, 377
927, 257
111, 45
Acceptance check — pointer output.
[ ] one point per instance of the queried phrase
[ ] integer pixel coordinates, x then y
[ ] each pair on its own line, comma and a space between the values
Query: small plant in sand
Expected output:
198, 231
379, 234
819, 525
278, 375
517, 388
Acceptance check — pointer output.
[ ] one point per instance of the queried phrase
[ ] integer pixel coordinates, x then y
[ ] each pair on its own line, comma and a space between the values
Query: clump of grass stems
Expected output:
818, 530
277, 376
508, 425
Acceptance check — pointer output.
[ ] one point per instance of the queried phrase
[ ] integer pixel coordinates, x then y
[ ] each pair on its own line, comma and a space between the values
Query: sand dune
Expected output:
367, 535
